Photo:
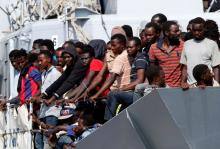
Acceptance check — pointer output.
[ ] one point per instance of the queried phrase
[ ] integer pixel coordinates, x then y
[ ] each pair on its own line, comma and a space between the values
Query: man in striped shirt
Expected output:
167, 52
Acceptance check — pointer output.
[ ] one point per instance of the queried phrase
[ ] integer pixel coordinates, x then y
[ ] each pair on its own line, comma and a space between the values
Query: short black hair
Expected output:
47, 54
79, 45
49, 44
128, 30
88, 49
13, 53
153, 25
60, 49
212, 31
166, 26
153, 72
70, 43
38, 41
199, 70
32, 57
88, 119
136, 40
21, 53
121, 38
198, 20
162, 17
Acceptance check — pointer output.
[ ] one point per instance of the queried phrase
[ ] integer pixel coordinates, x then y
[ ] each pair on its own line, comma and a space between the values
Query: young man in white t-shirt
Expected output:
199, 50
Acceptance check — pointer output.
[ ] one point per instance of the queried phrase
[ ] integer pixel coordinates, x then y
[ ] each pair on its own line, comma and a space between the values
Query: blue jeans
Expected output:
63, 140
139, 91
114, 99
39, 138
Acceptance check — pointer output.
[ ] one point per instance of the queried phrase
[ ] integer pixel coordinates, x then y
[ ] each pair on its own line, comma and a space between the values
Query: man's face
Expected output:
68, 59
85, 58
208, 78
79, 50
35, 46
44, 48
21, 62
14, 63
43, 61
143, 38
116, 46
132, 49
198, 31
173, 35
174, 31
156, 20
60, 59
150, 35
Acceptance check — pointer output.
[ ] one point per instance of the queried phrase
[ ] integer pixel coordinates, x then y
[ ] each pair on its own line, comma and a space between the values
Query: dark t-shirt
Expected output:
140, 62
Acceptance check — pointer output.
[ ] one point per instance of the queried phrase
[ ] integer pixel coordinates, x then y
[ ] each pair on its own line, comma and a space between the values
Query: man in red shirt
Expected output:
95, 66
167, 52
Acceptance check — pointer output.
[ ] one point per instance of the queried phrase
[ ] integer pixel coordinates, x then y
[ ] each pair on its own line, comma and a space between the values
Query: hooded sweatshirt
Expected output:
72, 76
99, 47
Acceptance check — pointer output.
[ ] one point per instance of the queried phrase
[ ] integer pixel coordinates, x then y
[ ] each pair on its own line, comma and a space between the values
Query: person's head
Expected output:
12, 58
36, 45
79, 47
128, 31
70, 56
133, 46
159, 19
99, 47
33, 59
118, 30
68, 43
85, 121
189, 26
171, 32
108, 46
118, 43
44, 60
48, 45
59, 55
156, 76
143, 38
22, 59
87, 55
198, 28
203, 75
212, 31
151, 33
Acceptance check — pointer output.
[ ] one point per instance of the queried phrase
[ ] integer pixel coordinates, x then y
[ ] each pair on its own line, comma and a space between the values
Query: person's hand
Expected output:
60, 102
184, 85
2, 105
85, 95
48, 102
93, 98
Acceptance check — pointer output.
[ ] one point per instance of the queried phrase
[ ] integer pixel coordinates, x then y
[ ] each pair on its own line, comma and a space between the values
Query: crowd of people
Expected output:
78, 87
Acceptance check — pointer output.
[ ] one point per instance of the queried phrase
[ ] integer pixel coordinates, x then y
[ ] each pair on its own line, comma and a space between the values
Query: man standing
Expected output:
166, 53
124, 95
199, 50
47, 114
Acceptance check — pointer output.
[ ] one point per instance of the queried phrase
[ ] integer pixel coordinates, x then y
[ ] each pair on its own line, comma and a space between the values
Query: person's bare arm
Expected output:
216, 73
105, 86
98, 79
84, 85
184, 83
140, 79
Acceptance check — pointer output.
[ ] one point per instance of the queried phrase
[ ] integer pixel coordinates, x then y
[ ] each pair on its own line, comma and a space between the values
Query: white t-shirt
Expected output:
195, 52
48, 78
